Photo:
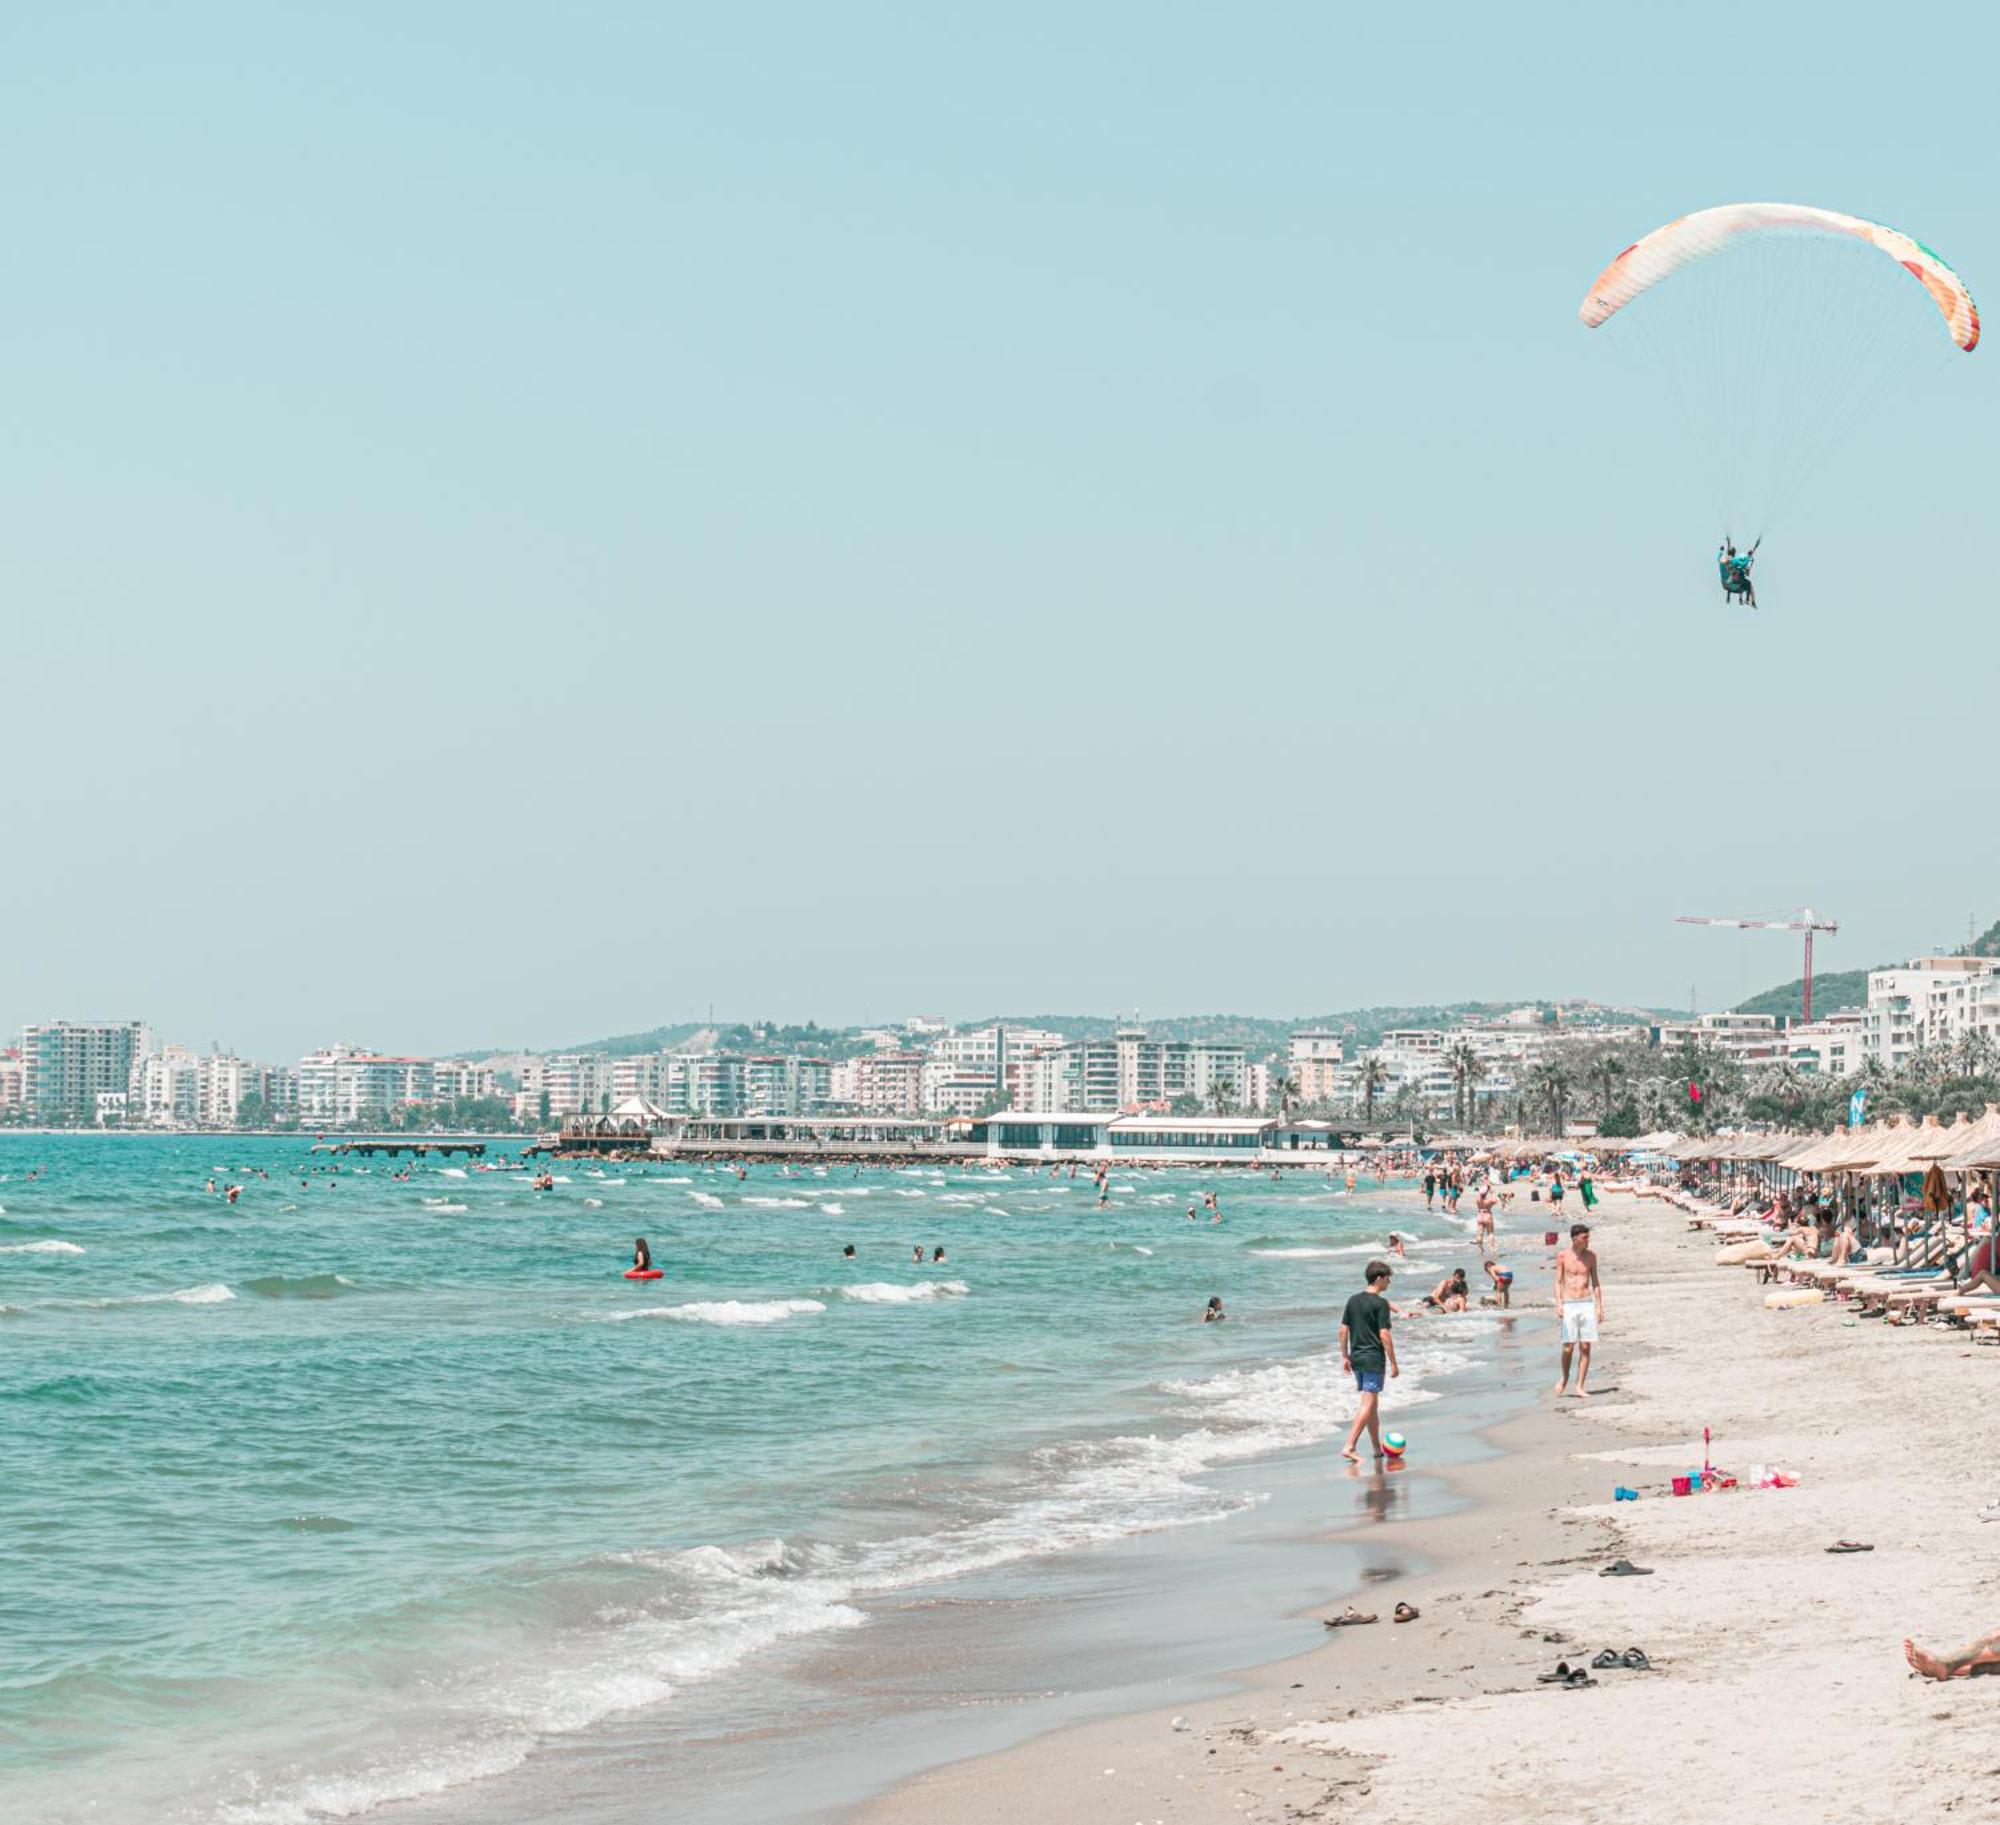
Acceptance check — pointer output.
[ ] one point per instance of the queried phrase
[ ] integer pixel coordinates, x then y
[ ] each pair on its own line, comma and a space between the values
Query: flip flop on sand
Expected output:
1635, 1658
1558, 1677
1406, 1612
1576, 1679
1849, 1546
1624, 1568
1348, 1618
1610, 1657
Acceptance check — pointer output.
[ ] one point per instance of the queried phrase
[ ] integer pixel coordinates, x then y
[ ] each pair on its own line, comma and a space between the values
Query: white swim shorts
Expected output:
1579, 1321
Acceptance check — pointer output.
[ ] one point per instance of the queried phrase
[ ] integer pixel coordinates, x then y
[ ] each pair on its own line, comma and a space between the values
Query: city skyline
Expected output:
545, 517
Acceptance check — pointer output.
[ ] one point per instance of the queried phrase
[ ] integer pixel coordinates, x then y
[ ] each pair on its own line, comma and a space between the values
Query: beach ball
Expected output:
1394, 1443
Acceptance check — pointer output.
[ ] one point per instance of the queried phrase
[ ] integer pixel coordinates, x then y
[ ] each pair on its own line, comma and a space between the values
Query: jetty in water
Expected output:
396, 1145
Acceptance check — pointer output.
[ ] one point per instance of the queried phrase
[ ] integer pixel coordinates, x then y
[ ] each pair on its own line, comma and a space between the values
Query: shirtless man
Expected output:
1580, 1301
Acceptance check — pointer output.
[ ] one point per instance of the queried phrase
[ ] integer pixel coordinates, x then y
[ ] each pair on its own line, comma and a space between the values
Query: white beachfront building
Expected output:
1930, 1002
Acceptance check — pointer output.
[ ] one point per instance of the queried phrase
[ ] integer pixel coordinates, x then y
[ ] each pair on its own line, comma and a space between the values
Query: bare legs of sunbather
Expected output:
1985, 1652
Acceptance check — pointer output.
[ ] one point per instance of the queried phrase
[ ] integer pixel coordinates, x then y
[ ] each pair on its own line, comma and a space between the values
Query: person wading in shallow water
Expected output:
1368, 1351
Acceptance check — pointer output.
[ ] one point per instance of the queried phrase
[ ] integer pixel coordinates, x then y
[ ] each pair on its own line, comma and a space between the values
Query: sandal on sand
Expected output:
1559, 1677
1577, 1679
1624, 1568
1348, 1618
1635, 1658
1849, 1546
1406, 1612
1609, 1658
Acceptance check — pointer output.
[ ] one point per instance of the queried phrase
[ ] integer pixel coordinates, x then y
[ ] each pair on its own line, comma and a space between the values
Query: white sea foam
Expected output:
48, 1247
706, 1199
902, 1193
215, 1293
728, 1311
834, 1210
443, 1207
703, 1611
1315, 1254
451, 1172
593, 1203
781, 1203
912, 1292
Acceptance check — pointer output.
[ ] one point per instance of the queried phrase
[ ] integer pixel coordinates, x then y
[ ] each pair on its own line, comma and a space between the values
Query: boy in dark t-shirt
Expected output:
1368, 1349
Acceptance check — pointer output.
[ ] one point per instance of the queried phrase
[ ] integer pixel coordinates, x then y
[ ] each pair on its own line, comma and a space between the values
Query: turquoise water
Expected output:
366, 1488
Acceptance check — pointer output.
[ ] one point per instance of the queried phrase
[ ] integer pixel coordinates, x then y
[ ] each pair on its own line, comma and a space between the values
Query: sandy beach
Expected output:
1778, 1684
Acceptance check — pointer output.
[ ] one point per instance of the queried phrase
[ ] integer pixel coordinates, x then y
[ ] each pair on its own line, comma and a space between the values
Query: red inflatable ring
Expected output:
642, 1273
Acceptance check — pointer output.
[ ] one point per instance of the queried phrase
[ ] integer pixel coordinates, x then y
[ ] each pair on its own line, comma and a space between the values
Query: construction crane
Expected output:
1804, 920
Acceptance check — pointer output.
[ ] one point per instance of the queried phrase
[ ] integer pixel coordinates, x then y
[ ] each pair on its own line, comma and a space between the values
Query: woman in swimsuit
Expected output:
642, 1256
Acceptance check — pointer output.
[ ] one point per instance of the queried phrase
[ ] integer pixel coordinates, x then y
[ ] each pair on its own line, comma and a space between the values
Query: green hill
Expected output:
1832, 992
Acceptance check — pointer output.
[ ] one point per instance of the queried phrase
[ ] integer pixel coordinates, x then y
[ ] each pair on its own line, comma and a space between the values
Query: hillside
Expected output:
1835, 990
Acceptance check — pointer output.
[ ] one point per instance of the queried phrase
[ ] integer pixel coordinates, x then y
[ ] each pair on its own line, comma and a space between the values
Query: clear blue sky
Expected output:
522, 522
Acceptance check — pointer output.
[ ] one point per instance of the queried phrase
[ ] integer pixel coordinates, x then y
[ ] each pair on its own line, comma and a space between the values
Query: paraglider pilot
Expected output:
1735, 568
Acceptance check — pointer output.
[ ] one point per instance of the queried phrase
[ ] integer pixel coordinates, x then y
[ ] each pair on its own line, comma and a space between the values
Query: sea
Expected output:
382, 1492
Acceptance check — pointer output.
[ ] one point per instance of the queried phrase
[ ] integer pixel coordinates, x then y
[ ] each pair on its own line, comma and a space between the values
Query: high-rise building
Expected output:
1315, 1061
80, 1071
166, 1088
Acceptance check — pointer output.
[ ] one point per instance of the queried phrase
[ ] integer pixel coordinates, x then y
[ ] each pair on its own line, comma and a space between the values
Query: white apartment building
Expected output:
1930, 1002
166, 1088
1751, 1039
339, 1086
1832, 1047
575, 1083
13, 1079
647, 1075
965, 1072
81, 1070
1314, 1059
222, 1082
1131, 1070
786, 1085
892, 1082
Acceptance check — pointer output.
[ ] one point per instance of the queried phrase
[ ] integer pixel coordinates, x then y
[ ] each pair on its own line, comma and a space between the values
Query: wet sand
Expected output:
1779, 1687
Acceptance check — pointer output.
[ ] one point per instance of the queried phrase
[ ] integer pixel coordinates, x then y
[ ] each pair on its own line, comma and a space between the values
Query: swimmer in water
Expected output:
937, 1254
847, 1253
917, 1254
642, 1256
233, 1193
1190, 1213
1396, 1245
1214, 1314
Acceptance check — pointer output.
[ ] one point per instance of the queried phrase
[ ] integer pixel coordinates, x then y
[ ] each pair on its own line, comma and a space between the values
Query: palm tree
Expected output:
1461, 1058
1475, 1070
1609, 1074
1551, 1083
1219, 1098
1374, 1076
1286, 1090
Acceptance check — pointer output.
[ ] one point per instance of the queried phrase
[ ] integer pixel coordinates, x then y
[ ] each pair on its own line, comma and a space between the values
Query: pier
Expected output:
395, 1147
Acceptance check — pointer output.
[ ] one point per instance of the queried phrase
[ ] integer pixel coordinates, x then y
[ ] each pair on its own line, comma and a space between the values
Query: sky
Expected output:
524, 523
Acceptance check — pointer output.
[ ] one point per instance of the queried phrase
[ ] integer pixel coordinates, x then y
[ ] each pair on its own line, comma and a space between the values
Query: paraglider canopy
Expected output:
1693, 237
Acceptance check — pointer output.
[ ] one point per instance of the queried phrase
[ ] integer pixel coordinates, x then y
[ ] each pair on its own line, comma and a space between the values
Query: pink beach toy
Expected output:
1681, 1486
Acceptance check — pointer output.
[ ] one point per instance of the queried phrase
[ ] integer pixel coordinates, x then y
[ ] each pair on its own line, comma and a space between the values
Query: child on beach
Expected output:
1367, 1351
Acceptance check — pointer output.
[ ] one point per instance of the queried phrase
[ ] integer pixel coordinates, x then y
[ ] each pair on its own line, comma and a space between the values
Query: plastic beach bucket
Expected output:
1694, 1482
1681, 1486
